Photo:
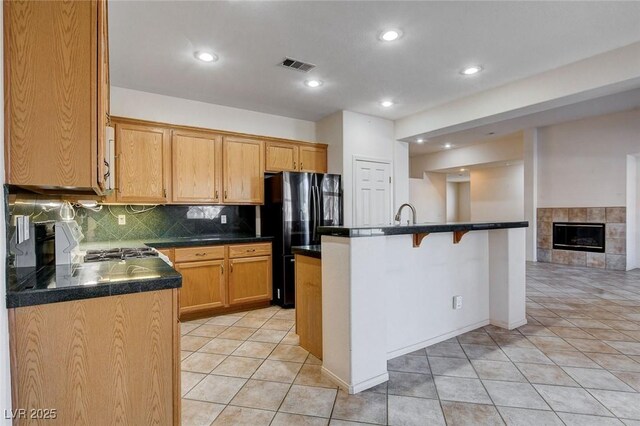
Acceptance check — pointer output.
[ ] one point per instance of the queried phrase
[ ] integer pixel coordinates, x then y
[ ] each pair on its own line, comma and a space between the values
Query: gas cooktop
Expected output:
119, 254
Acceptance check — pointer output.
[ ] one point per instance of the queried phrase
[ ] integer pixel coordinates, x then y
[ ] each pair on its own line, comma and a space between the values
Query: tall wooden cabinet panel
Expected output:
203, 285
55, 114
243, 171
143, 161
249, 279
313, 159
197, 167
281, 157
308, 274
107, 360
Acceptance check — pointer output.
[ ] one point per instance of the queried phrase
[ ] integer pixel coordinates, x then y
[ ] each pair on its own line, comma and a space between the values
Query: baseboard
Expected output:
423, 344
335, 379
509, 326
368, 384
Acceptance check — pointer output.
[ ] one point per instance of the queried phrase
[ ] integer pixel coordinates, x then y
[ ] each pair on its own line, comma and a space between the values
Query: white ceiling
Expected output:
152, 46
603, 105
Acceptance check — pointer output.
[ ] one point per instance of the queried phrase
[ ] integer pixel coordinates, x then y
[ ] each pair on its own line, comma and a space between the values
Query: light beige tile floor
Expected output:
576, 362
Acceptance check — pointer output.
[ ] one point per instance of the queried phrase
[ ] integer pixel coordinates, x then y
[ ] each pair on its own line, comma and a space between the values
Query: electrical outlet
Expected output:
457, 302
122, 219
223, 219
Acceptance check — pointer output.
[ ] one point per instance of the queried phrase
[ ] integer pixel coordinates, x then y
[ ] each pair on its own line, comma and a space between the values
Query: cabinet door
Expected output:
313, 159
203, 285
243, 171
50, 72
143, 163
197, 159
249, 279
281, 157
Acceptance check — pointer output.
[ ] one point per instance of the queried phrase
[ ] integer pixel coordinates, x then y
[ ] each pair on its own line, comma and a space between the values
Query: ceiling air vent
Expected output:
294, 64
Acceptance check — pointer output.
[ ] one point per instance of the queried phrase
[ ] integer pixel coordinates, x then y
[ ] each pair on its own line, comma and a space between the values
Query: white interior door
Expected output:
372, 193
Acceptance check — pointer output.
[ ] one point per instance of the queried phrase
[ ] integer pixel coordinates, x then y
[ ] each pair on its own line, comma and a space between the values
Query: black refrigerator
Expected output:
295, 204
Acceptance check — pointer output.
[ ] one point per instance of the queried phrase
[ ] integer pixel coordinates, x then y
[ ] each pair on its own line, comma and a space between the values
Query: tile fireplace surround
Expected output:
614, 218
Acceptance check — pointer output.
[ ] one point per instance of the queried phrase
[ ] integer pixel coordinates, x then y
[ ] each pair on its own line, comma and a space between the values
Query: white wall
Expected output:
497, 193
5, 369
633, 212
582, 163
429, 196
329, 130
452, 201
464, 202
365, 137
530, 147
401, 176
637, 219
167, 109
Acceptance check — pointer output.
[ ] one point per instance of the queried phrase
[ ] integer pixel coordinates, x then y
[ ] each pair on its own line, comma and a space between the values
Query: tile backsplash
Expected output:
142, 222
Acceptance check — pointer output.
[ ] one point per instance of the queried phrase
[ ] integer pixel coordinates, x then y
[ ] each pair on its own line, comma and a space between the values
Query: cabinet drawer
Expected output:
190, 254
246, 250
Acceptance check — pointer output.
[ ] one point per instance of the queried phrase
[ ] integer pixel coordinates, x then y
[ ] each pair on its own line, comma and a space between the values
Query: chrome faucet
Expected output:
413, 213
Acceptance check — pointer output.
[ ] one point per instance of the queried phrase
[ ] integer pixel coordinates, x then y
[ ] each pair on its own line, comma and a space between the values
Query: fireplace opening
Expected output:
579, 236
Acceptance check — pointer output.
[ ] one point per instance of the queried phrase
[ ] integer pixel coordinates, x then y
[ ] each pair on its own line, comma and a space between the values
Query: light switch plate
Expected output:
223, 219
122, 219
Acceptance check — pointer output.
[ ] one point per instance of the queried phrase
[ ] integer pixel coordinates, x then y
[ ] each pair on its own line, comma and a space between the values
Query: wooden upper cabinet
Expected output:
313, 159
54, 93
295, 157
143, 162
197, 167
243, 171
281, 157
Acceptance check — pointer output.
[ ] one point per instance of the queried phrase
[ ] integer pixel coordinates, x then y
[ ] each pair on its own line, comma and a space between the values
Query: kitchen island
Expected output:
388, 291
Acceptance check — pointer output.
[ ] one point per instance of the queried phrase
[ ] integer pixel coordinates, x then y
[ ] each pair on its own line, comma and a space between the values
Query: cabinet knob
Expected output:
250, 250
301, 166
294, 165
216, 194
225, 194
201, 254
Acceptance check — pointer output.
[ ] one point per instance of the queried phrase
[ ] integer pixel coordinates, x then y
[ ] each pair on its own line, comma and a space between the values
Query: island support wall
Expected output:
382, 297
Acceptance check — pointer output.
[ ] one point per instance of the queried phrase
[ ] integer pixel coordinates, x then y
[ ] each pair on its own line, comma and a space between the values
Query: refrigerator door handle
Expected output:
315, 213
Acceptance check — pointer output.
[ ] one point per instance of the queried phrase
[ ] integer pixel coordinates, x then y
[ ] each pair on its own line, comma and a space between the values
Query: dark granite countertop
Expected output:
53, 283
429, 227
311, 251
205, 240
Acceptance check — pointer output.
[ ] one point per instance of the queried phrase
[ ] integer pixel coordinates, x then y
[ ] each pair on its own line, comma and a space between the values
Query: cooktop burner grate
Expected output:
119, 254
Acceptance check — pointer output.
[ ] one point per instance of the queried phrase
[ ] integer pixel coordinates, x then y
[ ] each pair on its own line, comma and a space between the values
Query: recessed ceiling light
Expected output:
463, 170
474, 69
447, 145
390, 35
420, 140
386, 104
206, 56
313, 83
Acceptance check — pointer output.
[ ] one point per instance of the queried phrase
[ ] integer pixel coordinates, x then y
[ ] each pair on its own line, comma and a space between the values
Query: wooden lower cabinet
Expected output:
108, 360
229, 278
249, 279
203, 285
309, 303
